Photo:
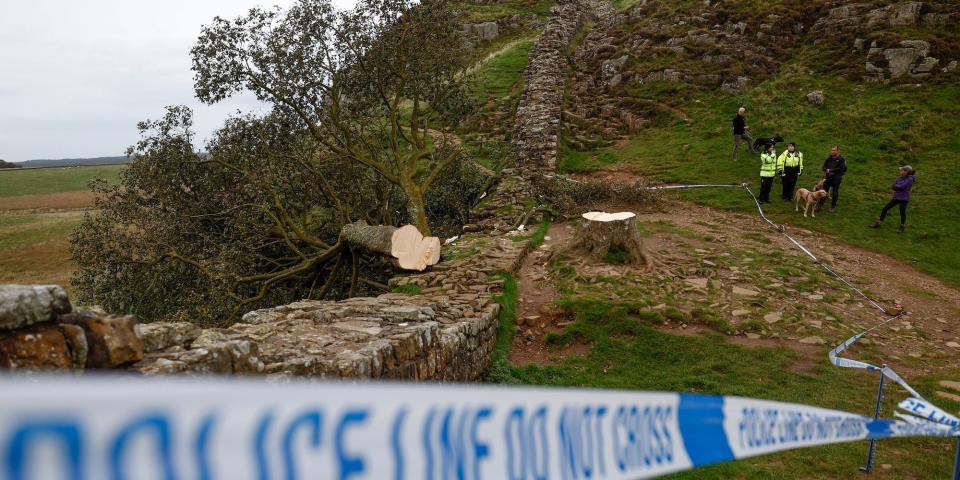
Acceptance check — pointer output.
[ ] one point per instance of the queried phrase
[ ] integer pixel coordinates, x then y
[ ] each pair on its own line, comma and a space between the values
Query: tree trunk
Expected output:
416, 207
602, 234
412, 250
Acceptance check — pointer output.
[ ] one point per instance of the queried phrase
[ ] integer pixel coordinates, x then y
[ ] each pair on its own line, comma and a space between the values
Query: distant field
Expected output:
33, 248
44, 181
39, 208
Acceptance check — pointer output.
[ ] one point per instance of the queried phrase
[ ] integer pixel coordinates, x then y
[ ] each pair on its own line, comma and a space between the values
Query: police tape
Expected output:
86, 428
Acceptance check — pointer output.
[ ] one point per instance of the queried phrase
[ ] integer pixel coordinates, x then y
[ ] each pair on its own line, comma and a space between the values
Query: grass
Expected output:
628, 353
485, 12
54, 180
33, 248
407, 288
878, 129
497, 77
500, 368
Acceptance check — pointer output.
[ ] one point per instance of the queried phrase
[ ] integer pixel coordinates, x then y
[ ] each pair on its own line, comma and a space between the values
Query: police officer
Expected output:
790, 166
768, 170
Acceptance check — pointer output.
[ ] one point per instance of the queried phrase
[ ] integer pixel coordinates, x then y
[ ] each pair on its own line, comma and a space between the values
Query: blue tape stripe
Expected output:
701, 426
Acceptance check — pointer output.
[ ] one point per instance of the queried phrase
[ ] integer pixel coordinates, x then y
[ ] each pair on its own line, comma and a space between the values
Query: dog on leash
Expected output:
810, 199
820, 184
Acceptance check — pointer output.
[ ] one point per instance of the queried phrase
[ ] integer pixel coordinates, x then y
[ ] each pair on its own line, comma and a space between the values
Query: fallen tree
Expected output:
410, 249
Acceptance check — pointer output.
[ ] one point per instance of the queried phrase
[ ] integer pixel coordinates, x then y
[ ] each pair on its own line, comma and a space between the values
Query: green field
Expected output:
34, 241
41, 181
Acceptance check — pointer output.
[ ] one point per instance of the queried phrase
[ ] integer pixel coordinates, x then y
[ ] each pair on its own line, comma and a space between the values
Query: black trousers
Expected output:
832, 185
790, 175
903, 210
766, 183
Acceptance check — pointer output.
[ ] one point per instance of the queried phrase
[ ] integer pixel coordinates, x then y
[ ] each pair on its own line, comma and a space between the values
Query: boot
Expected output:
876, 224
900, 230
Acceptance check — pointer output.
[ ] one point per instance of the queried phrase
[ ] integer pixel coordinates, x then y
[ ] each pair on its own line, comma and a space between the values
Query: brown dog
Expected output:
810, 198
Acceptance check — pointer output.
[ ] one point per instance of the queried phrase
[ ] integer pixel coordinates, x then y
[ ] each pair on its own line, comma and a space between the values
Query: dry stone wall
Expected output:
444, 331
537, 124
40, 330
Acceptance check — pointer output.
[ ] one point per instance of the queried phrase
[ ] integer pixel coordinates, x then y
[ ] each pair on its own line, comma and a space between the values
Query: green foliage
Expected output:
484, 12
408, 289
5, 164
500, 369
42, 181
536, 239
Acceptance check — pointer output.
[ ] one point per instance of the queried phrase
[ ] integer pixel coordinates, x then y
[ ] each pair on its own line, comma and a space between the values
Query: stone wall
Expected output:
444, 329
40, 330
537, 124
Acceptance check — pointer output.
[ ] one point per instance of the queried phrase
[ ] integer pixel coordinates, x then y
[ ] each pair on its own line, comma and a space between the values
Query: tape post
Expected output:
243, 428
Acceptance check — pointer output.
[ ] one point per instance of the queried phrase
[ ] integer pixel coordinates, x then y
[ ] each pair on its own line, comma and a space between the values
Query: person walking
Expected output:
790, 166
740, 134
901, 197
834, 167
768, 170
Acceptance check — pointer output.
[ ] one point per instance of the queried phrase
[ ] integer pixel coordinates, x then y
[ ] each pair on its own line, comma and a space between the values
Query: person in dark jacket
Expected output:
901, 197
833, 169
740, 132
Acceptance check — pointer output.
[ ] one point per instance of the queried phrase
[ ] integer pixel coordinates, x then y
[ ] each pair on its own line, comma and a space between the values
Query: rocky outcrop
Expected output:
908, 59
484, 31
41, 331
857, 17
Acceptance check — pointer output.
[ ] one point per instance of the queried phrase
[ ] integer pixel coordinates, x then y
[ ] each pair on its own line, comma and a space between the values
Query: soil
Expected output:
50, 201
921, 342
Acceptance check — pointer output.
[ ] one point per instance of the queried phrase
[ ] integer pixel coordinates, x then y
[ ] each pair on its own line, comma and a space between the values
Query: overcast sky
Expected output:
77, 75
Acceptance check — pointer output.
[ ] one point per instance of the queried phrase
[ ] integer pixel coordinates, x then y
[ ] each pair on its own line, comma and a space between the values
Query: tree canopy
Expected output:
360, 99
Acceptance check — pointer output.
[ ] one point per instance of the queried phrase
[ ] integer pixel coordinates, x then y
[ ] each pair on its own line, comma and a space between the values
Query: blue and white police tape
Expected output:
91, 428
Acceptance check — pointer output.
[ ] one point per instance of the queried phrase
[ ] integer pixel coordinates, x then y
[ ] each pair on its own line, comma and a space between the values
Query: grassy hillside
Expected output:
54, 180
877, 127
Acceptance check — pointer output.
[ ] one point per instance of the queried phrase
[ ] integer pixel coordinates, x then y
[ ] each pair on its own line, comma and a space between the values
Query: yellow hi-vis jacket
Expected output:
768, 164
792, 160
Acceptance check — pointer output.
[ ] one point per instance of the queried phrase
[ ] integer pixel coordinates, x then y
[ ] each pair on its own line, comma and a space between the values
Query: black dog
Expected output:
761, 144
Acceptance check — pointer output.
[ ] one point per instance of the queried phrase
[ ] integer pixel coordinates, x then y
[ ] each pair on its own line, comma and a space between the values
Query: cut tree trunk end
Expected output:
411, 249
613, 238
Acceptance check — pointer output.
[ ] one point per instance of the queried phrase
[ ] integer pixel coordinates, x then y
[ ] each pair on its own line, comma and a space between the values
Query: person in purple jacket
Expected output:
901, 197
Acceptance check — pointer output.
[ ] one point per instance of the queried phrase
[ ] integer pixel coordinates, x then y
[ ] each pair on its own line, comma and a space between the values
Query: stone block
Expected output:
39, 347
163, 335
25, 305
112, 341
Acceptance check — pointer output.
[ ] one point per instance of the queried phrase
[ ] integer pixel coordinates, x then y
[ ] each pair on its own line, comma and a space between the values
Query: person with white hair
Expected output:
740, 134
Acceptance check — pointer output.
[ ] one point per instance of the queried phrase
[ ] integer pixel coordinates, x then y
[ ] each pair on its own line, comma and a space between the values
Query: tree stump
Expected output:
406, 244
603, 235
